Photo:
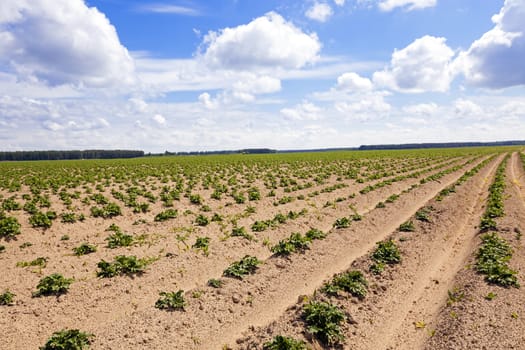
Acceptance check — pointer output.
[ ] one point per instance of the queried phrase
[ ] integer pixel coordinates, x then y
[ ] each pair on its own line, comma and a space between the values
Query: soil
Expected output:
246, 313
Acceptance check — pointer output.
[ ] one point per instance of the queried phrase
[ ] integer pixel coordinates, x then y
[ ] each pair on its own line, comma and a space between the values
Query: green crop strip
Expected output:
495, 253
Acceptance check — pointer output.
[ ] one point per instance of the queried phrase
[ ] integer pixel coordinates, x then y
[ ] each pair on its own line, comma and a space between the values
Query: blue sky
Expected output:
183, 75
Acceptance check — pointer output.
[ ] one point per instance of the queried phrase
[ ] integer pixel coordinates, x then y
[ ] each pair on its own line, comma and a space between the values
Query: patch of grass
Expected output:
247, 265
70, 339
171, 301
324, 321
54, 284
280, 342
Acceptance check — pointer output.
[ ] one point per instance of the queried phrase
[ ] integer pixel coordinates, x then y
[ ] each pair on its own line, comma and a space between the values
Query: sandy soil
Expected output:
474, 322
120, 311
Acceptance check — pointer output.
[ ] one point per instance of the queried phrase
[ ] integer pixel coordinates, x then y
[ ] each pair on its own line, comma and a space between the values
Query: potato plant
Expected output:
68, 339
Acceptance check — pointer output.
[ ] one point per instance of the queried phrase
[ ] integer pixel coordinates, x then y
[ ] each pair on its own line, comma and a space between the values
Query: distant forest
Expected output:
113, 154
441, 145
63, 155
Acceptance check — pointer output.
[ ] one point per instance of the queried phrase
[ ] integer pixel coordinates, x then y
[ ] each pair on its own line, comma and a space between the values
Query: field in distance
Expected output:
359, 249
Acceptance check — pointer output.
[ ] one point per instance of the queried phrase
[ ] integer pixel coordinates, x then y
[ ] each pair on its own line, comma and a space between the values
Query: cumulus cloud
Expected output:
339, 2
267, 41
319, 12
353, 82
409, 5
422, 109
159, 119
302, 112
424, 65
62, 42
467, 109
365, 107
258, 84
496, 59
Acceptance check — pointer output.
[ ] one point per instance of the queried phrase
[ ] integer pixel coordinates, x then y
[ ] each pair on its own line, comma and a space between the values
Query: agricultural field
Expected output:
418, 249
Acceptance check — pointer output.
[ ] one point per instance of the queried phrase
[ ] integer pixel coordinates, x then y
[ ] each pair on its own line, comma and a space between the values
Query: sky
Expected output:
195, 75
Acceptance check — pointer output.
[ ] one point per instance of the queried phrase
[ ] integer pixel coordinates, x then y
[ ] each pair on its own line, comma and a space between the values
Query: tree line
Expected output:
64, 155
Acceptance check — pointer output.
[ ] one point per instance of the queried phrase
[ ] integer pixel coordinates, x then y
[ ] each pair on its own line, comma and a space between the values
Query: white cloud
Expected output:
268, 41
207, 101
467, 109
159, 119
339, 2
364, 107
496, 59
319, 12
302, 112
169, 8
422, 109
62, 42
409, 5
257, 84
353, 82
424, 65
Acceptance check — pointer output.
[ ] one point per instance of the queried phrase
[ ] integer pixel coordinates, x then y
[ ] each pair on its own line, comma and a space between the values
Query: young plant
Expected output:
247, 265
202, 220
119, 239
84, 249
9, 227
385, 253
422, 215
296, 242
280, 342
241, 232
166, 215
6, 298
43, 220
491, 261
324, 321
171, 301
353, 282
314, 233
54, 284
215, 283
342, 223
203, 244
70, 339
407, 226
123, 265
